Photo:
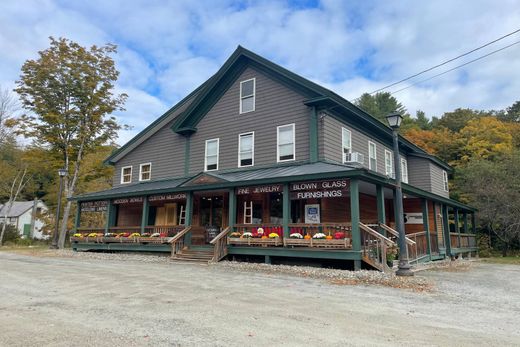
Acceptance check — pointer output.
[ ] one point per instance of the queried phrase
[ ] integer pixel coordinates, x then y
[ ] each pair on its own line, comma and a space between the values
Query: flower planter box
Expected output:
154, 240
251, 241
319, 243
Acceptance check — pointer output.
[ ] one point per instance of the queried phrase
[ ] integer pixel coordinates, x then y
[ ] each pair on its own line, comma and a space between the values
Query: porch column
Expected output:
77, 219
457, 227
286, 210
465, 221
381, 214
426, 224
144, 215
313, 135
232, 213
110, 216
189, 212
354, 219
447, 238
473, 223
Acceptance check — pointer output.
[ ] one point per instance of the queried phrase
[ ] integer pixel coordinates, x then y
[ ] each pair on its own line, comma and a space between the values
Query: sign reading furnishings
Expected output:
320, 189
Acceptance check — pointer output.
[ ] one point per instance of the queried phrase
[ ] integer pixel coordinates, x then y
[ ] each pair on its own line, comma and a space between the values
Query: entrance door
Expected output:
211, 212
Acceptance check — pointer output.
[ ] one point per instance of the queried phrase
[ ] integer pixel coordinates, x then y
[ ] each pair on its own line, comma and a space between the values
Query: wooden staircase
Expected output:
195, 255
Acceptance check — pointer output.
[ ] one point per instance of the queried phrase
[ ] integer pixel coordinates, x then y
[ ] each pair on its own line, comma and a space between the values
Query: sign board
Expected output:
94, 206
127, 200
272, 188
320, 189
312, 214
413, 218
170, 197
212, 232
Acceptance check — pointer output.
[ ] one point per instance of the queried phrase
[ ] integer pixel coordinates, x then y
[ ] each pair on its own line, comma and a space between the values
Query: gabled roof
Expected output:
18, 208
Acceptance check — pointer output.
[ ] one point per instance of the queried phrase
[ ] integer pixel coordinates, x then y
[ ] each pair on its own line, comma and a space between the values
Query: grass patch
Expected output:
515, 260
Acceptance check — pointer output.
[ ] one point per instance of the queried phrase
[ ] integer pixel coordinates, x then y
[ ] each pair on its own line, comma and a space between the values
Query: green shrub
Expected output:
484, 250
11, 234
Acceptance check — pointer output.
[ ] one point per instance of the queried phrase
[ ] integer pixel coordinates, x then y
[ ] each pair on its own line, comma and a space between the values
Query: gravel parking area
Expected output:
65, 299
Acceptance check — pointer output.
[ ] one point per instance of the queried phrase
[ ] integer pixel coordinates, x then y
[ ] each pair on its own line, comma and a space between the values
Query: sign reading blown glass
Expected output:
319, 190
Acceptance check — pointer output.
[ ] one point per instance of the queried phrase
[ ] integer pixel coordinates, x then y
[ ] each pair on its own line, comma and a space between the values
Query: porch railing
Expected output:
219, 243
434, 243
376, 248
177, 241
323, 235
419, 249
164, 230
463, 240
255, 236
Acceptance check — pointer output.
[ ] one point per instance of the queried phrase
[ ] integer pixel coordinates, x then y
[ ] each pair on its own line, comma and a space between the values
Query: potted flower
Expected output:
134, 235
247, 235
235, 234
145, 235
273, 235
155, 235
77, 235
319, 236
296, 236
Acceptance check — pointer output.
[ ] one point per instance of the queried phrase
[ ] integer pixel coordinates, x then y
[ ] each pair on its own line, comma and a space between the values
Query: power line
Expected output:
456, 67
444, 63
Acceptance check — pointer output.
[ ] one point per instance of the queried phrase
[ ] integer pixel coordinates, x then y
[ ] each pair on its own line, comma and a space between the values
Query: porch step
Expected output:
195, 255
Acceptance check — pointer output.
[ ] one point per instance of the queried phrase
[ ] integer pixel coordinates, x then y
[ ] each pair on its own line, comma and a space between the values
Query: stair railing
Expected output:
411, 247
177, 241
375, 247
220, 248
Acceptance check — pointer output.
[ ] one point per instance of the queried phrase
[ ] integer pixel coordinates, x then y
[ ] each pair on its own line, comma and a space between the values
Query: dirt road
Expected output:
48, 301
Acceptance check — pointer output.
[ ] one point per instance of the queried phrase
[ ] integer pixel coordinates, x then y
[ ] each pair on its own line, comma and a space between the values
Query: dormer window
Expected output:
145, 172
126, 174
247, 95
211, 155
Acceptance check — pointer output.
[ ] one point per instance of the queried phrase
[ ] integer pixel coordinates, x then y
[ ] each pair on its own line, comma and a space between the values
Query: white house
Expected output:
26, 217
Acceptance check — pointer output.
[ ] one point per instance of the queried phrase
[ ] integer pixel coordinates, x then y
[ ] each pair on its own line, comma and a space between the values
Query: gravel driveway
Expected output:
57, 301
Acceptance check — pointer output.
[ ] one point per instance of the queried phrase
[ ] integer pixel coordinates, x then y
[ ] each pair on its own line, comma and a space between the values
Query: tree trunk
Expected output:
505, 249
63, 231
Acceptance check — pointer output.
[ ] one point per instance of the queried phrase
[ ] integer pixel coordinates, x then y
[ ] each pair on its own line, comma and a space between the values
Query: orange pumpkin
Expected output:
307, 237
265, 237
328, 237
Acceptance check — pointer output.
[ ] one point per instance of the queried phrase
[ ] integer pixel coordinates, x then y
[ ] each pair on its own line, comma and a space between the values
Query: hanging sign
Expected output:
127, 200
321, 189
94, 206
271, 188
170, 197
413, 218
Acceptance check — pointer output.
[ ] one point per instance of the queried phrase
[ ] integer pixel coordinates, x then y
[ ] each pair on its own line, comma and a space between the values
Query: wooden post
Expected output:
426, 224
232, 218
286, 210
465, 221
189, 213
354, 219
110, 215
77, 218
381, 214
144, 215
457, 227
445, 222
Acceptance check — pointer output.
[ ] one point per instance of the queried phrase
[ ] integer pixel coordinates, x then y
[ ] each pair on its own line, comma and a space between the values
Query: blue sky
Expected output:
167, 48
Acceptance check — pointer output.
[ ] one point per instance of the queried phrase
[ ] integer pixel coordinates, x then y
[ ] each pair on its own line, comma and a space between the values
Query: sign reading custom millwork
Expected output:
94, 206
170, 197
127, 200
271, 188
321, 189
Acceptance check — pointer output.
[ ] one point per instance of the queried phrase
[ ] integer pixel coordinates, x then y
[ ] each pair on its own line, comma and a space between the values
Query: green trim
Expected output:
425, 194
294, 252
187, 156
144, 215
232, 215
286, 210
110, 216
313, 135
128, 247
189, 214
77, 218
354, 214
456, 226
381, 213
465, 222
130, 144
445, 222
426, 224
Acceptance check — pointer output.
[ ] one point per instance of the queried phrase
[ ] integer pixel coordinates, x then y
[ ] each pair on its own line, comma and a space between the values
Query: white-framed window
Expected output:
145, 172
285, 149
211, 155
389, 163
126, 174
445, 181
246, 149
372, 156
247, 95
346, 144
404, 170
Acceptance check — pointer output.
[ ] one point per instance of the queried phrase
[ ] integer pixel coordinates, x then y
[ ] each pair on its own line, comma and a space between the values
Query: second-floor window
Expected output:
389, 164
346, 144
372, 156
445, 181
285, 143
246, 144
247, 95
404, 170
126, 174
211, 155
145, 172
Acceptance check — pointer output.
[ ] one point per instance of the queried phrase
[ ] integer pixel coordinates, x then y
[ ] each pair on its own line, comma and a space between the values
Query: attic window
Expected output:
126, 174
145, 173
247, 96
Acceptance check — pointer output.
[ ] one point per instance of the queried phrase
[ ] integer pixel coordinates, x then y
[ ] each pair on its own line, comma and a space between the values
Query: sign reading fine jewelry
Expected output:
169, 197
271, 188
94, 206
127, 200
321, 189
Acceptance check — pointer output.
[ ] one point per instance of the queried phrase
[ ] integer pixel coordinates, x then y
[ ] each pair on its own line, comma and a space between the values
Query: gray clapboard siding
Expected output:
437, 181
275, 105
164, 149
331, 141
426, 175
